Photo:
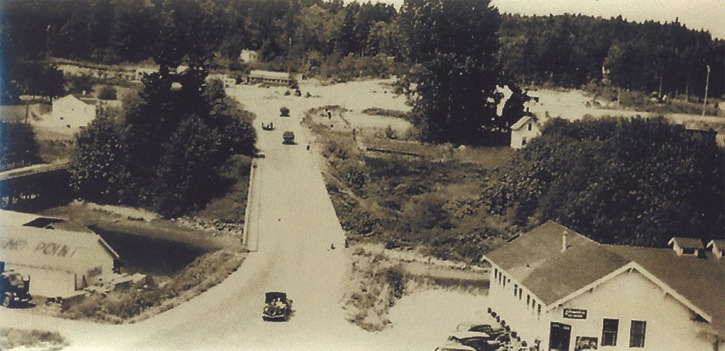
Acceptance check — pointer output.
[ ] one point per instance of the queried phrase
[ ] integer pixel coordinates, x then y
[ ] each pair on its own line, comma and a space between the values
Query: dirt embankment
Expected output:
380, 277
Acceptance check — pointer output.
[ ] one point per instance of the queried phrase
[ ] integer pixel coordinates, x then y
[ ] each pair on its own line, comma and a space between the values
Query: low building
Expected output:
269, 77
248, 56
523, 131
60, 257
75, 109
559, 290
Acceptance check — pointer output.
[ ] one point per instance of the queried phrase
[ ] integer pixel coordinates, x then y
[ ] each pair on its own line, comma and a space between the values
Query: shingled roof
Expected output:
537, 261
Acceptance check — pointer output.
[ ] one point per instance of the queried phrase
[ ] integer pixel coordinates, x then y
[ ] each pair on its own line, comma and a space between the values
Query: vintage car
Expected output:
276, 306
288, 137
478, 340
269, 126
481, 328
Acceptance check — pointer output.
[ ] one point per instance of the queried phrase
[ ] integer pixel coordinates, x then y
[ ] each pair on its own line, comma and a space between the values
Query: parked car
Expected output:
277, 307
269, 126
454, 346
477, 340
481, 328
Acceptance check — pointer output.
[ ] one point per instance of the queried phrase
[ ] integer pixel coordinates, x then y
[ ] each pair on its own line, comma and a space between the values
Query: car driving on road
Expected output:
276, 306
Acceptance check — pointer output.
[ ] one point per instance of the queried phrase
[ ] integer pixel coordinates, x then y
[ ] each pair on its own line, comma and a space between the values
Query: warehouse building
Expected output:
59, 257
559, 290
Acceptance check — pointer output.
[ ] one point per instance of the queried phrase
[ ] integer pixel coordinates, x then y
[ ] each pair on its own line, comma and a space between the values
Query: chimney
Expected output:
563, 242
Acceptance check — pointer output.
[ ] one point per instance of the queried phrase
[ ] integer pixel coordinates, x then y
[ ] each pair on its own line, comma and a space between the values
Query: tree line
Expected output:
565, 50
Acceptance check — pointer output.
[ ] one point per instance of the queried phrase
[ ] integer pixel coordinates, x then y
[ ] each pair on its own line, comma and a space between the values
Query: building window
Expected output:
521, 293
539, 310
529, 127
609, 332
516, 289
528, 300
495, 274
636, 333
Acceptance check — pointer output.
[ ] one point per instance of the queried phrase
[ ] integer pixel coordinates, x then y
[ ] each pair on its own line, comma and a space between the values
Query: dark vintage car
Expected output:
288, 137
276, 306
269, 126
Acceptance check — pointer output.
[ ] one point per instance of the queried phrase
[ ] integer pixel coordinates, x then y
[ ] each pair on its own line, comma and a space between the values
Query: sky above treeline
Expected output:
695, 14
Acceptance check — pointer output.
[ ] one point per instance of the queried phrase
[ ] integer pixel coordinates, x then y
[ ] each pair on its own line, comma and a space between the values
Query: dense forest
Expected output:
308, 35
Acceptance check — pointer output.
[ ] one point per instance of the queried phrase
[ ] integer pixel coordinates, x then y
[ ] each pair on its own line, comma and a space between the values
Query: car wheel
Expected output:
6, 301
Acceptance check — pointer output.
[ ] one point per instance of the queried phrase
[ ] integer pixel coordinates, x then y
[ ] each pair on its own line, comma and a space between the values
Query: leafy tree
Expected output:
215, 91
99, 164
454, 44
18, 146
187, 167
636, 181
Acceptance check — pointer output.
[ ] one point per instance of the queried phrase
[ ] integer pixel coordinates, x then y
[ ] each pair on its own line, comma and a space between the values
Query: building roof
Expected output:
700, 280
269, 74
537, 261
686, 243
521, 122
716, 244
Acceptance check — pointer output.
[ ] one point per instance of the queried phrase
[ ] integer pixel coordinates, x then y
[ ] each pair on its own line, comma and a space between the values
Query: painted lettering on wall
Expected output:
13, 244
53, 249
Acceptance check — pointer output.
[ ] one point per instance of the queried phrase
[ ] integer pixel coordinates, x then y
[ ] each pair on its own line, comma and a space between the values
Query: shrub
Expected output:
284, 112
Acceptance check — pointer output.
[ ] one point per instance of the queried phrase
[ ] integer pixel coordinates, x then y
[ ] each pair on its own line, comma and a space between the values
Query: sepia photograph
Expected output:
362, 175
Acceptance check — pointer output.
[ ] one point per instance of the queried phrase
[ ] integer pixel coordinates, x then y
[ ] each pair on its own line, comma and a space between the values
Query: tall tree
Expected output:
454, 45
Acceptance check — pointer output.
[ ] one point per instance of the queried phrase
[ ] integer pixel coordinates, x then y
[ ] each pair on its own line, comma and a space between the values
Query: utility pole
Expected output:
707, 86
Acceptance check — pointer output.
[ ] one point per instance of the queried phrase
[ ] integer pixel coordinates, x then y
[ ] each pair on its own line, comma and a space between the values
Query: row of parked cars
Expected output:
479, 337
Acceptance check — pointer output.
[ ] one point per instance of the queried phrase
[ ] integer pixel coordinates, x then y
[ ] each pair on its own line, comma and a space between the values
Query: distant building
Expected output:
75, 108
269, 77
248, 56
61, 258
559, 290
523, 131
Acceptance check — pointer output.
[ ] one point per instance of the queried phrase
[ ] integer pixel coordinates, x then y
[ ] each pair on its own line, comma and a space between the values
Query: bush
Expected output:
284, 112
108, 93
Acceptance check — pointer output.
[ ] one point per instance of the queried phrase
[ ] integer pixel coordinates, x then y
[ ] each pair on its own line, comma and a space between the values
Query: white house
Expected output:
559, 290
248, 56
75, 109
59, 259
523, 131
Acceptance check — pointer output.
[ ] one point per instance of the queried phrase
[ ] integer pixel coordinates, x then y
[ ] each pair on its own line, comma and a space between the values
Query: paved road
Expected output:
296, 226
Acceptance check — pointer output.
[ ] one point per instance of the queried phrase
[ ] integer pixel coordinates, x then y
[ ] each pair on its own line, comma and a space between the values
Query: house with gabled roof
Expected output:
525, 129
75, 109
559, 290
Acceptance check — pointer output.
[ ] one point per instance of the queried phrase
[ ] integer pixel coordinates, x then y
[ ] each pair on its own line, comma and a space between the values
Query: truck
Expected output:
14, 287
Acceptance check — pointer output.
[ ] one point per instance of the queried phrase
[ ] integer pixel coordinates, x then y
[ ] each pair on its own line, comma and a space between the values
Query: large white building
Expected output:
559, 290
59, 259
75, 109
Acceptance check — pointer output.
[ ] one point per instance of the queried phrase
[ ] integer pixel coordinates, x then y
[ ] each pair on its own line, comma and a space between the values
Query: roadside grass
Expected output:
11, 338
430, 202
158, 295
